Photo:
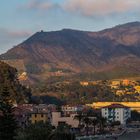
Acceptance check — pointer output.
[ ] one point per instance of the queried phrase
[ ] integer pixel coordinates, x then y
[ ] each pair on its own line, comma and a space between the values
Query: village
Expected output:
119, 87
82, 120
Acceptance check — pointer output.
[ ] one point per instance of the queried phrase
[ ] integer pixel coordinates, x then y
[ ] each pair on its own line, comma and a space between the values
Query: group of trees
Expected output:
86, 121
9, 129
74, 92
11, 92
8, 124
45, 131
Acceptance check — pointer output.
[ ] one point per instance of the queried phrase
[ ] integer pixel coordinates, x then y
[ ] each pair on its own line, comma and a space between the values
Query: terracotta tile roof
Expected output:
116, 106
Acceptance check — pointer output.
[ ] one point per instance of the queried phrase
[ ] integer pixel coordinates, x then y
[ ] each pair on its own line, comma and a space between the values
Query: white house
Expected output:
67, 110
116, 112
58, 118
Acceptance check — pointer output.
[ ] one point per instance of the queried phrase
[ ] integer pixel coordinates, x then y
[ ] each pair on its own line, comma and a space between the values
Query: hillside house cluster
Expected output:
30, 114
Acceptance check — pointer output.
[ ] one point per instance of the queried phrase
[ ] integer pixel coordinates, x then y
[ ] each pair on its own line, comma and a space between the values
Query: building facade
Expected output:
116, 112
38, 117
68, 110
58, 118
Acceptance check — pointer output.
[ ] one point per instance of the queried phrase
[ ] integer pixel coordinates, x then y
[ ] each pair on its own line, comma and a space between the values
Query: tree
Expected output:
94, 123
62, 133
87, 122
102, 122
135, 116
79, 117
8, 124
38, 131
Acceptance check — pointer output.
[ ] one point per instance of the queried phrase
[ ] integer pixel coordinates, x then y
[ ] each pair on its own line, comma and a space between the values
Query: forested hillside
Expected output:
8, 80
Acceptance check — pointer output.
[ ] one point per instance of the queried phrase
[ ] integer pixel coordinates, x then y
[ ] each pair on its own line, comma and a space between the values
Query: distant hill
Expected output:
110, 53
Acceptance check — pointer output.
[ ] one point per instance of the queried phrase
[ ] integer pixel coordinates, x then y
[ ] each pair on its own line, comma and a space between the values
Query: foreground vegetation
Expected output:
8, 78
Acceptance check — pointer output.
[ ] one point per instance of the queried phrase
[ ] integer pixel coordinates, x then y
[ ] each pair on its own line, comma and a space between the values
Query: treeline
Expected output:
75, 93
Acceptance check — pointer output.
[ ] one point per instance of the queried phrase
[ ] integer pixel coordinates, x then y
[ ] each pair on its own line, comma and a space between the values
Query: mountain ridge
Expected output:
71, 51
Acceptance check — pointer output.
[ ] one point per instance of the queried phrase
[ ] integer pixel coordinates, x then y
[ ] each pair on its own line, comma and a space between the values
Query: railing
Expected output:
100, 136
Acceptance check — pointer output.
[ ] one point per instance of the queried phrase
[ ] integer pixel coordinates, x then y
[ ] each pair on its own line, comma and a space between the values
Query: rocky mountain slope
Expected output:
111, 53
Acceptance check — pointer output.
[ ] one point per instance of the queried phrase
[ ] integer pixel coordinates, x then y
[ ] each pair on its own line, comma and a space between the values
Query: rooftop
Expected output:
116, 106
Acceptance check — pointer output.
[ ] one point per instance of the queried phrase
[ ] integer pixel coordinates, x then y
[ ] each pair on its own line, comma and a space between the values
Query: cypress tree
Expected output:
8, 123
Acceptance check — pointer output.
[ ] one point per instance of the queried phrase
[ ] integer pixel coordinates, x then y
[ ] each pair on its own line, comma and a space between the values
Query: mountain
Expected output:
110, 53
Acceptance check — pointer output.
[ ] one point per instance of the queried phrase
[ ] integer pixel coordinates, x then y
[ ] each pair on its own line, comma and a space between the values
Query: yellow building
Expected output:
116, 83
132, 105
120, 92
126, 82
38, 117
84, 83
137, 88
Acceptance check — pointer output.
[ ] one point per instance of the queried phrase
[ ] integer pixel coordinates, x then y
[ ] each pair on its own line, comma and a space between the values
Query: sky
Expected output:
19, 19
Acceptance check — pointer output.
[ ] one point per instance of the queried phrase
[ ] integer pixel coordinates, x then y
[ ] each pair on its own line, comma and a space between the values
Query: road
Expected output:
126, 136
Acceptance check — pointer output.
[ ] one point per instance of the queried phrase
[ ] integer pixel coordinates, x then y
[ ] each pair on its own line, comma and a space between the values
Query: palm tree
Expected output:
62, 133
87, 122
102, 121
94, 123
79, 117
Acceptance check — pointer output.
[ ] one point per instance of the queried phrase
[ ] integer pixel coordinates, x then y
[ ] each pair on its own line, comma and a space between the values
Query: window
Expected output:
61, 123
42, 115
35, 115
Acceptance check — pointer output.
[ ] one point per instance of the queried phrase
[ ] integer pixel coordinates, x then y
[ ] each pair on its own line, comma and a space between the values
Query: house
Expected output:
137, 89
38, 117
67, 109
59, 118
83, 83
22, 116
126, 82
116, 112
115, 84
40, 113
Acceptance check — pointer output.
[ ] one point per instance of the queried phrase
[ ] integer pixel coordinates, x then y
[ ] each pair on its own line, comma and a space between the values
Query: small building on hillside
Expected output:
137, 89
116, 112
84, 83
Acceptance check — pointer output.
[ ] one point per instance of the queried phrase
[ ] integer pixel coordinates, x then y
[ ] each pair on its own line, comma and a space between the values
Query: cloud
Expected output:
11, 34
8, 38
85, 7
100, 7
18, 34
40, 5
